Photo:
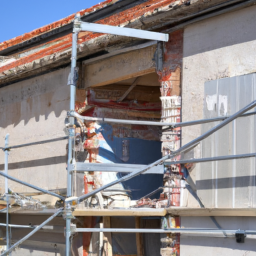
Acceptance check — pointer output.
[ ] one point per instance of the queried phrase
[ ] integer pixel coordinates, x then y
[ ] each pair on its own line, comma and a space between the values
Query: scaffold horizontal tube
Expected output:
31, 186
123, 31
174, 125
215, 128
49, 228
210, 159
127, 177
165, 231
123, 168
31, 233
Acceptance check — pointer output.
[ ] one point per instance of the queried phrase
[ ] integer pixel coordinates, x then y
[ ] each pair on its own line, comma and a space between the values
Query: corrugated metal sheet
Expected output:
229, 183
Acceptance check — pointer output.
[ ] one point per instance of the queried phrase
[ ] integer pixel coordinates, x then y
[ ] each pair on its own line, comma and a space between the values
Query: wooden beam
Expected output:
120, 212
121, 67
129, 90
139, 238
107, 237
229, 212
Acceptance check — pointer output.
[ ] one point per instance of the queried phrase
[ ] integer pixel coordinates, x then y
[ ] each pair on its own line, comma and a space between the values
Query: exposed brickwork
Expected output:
170, 78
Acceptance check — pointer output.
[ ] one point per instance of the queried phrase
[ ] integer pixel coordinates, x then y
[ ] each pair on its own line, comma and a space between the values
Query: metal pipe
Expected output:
73, 80
173, 125
80, 167
6, 154
210, 159
31, 186
127, 177
67, 237
209, 120
46, 228
31, 233
165, 231
121, 31
216, 128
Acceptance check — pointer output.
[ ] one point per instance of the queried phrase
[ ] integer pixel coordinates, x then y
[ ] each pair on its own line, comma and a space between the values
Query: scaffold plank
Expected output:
120, 212
200, 212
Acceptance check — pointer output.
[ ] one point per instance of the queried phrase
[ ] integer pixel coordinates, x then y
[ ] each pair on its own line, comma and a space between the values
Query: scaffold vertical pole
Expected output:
72, 81
6, 154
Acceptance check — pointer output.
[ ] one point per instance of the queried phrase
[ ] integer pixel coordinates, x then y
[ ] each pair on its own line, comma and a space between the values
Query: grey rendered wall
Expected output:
220, 47
221, 246
34, 110
223, 46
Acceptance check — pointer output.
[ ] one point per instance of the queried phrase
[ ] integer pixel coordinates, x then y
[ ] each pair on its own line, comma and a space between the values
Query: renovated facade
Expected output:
205, 70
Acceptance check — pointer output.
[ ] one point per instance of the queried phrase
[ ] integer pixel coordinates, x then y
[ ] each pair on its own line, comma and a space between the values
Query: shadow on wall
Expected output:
35, 163
36, 98
221, 31
231, 182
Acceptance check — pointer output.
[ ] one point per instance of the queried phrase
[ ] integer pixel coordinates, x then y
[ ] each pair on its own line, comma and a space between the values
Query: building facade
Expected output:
205, 70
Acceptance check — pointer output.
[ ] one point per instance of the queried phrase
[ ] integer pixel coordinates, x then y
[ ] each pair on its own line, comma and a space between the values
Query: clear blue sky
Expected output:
21, 16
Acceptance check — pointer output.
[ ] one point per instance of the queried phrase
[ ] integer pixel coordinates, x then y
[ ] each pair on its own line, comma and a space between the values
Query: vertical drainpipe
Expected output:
6, 153
73, 79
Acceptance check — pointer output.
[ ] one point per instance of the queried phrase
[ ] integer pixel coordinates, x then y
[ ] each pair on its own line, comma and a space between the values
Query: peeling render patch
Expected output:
6, 60
212, 103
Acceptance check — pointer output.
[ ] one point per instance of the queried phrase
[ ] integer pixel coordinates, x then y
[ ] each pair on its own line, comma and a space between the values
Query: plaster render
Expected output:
223, 46
211, 246
34, 110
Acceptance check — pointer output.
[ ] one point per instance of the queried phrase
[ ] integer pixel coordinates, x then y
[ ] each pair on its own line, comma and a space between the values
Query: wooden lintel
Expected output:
120, 67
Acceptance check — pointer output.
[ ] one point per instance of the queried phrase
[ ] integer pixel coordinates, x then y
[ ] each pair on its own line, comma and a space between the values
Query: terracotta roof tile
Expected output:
64, 43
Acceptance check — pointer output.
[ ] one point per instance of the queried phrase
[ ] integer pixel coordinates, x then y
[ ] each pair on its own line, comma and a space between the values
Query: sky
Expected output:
22, 16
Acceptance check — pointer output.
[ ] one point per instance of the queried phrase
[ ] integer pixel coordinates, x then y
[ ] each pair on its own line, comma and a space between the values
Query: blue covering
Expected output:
140, 152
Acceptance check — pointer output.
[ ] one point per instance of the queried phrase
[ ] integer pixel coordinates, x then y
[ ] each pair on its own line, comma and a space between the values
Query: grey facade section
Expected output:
223, 246
220, 47
35, 110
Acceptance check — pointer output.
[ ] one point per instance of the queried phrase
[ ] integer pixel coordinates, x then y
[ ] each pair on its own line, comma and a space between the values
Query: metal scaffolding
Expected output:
133, 170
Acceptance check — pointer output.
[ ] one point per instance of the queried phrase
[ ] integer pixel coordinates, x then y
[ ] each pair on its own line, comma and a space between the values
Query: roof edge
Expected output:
66, 29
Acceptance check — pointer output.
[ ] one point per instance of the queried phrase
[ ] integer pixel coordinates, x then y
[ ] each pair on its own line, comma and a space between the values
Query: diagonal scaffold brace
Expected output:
31, 233
172, 155
31, 186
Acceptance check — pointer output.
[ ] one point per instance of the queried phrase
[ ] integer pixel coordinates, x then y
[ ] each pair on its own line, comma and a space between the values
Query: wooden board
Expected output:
176, 211
107, 237
182, 211
120, 67
139, 238
120, 212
